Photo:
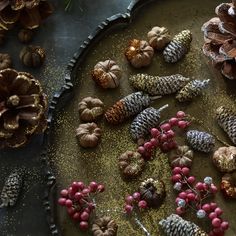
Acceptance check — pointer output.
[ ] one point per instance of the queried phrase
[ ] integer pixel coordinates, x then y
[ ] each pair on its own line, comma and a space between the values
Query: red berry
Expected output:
185, 171
165, 147
199, 186
78, 196
180, 114
83, 225
142, 204
75, 186
154, 142
62, 201
68, 203
206, 207
76, 216
81, 185
71, 192
213, 205
147, 146
205, 186
176, 170
136, 196
216, 222
71, 211
163, 138
129, 199
183, 195
165, 127
155, 132
173, 121
212, 215
180, 210
101, 188
93, 186
218, 211
170, 134
141, 149
182, 124
176, 178
191, 196
213, 189
84, 216
128, 209
85, 191
87, 209
91, 206
224, 225
64, 192
191, 179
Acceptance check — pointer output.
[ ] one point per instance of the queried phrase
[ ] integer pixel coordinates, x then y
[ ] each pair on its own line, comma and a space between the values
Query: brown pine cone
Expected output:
5, 61
22, 108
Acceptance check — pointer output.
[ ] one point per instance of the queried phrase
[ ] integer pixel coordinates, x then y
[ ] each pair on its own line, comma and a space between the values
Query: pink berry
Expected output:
76, 216
165, 127
136, 196
191, 179
180, 210
101, 188
154, 142
170, 134
93, 186
176, 178
78, 196
71, 211
206, 207
68, 203
213, 189
91, 206
216, 222
182, 124
84, 216
205, 186
87, 209
83, 225
224, 225
165, 147
85, 191
62, 201
173, 121
128, 209
180, 114
141, 149
177, 200
213, 205
71, 192
191, 196
129, 199
185, 171
163, 138
81, 185
212, 215
147, 145
142, 204
155, 132
199, 186
218, 211
183, 195
75, 186
64, 193
176, 170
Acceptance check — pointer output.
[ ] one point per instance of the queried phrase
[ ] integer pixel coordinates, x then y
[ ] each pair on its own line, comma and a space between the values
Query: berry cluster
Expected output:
79, 201
194, 195
134, 201
163, 136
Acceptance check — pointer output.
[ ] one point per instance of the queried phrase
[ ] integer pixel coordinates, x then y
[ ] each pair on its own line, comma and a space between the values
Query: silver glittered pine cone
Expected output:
191, 90
128, 106
200, 141
178, 47
158, 85
226, 119
174, 225
144, 121
11, 189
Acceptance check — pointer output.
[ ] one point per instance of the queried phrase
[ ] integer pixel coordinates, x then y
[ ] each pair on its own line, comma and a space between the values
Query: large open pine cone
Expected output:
29, 13
22, 108
220, 39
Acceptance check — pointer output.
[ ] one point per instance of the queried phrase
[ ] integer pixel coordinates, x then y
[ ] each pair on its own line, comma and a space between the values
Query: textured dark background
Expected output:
61, 36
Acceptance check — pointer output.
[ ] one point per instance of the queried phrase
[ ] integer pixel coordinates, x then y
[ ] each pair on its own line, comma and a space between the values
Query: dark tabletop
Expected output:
61, 36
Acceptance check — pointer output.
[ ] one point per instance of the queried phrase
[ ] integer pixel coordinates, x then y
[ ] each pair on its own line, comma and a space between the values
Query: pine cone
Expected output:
11, 189
178, 47
29, 14
191, 90
127, 107
22, 108
200, 141
174, 225
146, 120
220, 39
158, 85
227, 121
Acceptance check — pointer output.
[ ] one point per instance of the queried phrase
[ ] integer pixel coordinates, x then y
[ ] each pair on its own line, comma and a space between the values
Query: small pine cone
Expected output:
178, 47
158, 85
191, 90
143, 122
127, 107
174, 225
11, 189
200, 141
227, 121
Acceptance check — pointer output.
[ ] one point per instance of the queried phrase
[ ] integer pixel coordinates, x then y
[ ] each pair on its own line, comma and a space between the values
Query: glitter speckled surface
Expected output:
70, 162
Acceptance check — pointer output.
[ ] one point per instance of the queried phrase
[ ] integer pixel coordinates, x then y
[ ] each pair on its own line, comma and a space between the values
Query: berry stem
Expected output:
139, 223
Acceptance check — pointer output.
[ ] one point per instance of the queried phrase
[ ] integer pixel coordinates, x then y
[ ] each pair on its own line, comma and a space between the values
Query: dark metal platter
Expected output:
69, 162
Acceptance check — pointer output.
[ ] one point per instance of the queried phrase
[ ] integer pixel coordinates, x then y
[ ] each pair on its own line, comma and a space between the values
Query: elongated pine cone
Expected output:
178, 47
11, 189
127, 107
158, 85
22, 108
226, 119
30, 14
191, 90
228, 185
174, 225
144, 121
200, 141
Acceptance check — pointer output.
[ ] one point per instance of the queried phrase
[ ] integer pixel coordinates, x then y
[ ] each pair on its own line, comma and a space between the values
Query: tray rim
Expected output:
50, 181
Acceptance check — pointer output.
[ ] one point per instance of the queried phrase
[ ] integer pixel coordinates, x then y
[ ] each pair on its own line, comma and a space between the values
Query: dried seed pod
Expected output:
25, 35
32, 56
228, 185
153, 192
182, 156
226, 119
191, 90
131, 164
200, 141
144, 121
5, 61
174, 225
127, 107
158, 37
11, 189
178, 47
224, 159
158, 85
